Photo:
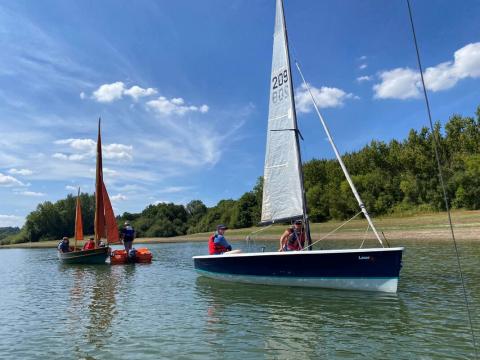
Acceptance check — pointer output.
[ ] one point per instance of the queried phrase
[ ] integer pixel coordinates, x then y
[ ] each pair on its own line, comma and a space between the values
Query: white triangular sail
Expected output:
282, 189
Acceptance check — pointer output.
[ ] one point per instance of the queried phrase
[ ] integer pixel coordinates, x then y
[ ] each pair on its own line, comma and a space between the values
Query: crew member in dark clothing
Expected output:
128, 235
64, 245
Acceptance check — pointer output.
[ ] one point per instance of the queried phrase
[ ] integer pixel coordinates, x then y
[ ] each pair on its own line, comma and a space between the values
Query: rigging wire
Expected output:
248, 239
334, 230
440, 175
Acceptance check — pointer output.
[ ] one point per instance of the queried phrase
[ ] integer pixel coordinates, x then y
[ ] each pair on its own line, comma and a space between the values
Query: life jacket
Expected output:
128, 233
89, 245
215, 249
295, 240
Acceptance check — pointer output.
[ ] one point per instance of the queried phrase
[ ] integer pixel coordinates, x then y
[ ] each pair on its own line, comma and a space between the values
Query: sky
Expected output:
182, 89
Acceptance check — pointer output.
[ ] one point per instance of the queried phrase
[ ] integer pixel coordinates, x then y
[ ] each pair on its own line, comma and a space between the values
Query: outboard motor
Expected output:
132, 254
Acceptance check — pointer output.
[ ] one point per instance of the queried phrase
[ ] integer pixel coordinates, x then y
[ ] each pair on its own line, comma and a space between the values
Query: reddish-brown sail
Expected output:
105, 223
99, 208
110, 222
78, 221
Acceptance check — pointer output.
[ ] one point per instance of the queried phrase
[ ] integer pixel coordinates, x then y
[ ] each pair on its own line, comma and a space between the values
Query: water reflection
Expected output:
282, 319
92, 304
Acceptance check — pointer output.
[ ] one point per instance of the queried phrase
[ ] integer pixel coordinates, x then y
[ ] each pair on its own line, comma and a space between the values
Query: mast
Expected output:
339, 158
99, 206
297, 141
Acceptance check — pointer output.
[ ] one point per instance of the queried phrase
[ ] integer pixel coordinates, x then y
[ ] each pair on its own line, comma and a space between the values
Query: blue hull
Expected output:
354, 269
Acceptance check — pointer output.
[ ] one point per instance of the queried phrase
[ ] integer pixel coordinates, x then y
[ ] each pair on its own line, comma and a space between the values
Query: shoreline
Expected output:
422, 227
470, 233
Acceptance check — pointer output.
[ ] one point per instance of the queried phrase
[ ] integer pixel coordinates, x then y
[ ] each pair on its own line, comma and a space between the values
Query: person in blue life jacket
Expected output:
293, 239
127, 234
217, 244
64, 245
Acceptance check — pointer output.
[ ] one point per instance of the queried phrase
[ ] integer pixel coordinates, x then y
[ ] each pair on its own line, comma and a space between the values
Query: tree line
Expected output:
393, 177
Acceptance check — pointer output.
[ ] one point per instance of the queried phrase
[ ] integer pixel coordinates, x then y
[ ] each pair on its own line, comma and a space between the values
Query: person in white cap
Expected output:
128, 235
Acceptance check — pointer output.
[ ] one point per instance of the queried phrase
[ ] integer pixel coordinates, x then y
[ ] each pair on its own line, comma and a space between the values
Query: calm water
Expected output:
163, 310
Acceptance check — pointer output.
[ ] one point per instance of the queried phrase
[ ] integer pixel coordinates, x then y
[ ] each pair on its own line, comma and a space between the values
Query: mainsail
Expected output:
283, 197
105, 223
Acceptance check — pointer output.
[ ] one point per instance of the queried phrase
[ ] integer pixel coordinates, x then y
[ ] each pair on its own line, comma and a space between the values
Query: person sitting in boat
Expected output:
293, 239
217, 244
127, 235
64, 245
89, 245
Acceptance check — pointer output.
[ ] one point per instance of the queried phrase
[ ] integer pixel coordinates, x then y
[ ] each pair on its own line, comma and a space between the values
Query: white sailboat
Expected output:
375, 269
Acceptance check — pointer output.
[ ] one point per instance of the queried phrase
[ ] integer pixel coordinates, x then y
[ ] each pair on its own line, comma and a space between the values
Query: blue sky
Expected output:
182, 89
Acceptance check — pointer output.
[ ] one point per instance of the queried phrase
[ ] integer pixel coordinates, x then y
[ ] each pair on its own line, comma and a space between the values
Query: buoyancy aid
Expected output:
89, 245
296, 240
215, 249
128, 233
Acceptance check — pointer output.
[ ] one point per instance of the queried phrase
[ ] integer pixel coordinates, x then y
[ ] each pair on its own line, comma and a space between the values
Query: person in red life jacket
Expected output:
217, 244
89, 245
293, 239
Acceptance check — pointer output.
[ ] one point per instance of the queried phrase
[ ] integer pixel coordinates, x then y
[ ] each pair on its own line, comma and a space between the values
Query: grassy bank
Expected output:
433, 226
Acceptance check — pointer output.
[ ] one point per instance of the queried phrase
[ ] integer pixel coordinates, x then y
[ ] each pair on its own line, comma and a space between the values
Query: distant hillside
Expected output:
6, 231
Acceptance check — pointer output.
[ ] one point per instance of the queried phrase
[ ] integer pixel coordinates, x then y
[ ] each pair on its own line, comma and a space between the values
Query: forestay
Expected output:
282, 190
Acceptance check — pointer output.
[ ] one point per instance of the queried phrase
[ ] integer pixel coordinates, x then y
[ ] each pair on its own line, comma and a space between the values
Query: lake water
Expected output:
164, 310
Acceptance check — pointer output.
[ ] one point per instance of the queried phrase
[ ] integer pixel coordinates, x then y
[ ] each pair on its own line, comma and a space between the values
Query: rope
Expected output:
440, 175
334, 230
365, 235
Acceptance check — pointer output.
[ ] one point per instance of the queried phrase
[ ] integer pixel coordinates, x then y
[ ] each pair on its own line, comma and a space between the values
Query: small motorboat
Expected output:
141, 255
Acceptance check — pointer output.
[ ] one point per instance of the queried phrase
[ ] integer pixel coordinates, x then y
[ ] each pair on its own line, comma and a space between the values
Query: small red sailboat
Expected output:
105, 223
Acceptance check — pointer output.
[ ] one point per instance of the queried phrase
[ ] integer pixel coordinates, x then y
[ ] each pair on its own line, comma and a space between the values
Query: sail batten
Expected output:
282, 186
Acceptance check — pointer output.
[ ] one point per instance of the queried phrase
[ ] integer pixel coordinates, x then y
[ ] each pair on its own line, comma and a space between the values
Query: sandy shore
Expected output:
424, 227
462, 233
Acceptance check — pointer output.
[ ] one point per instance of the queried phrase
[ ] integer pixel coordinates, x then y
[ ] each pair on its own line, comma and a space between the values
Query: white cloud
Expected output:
82, 95
32, 193
398, 84
109, 92
363, 66
60, 156
137, 92
11, 220
364, 78
72, 188
118, 197
324, 97
7, 180
117, 151
404, 83
362, 58
115, 91
176, 106
86, 148
24, 172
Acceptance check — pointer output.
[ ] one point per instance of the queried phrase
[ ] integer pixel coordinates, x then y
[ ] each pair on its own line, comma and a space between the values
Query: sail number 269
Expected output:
279, 93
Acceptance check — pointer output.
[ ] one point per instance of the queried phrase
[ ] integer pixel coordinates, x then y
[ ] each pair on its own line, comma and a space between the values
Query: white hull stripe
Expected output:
367, 284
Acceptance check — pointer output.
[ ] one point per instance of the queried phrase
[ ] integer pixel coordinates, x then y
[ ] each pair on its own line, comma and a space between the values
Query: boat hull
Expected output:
354, 269
94, 256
